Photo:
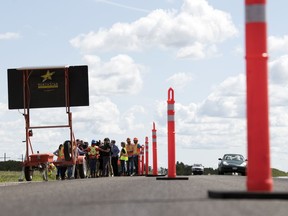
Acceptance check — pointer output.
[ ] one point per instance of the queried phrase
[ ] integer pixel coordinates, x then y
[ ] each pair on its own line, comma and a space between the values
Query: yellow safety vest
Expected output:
124, 156
61, 154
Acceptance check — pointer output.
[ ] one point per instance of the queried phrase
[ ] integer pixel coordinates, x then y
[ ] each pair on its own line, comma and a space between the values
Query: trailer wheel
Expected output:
82, 170
28, 173
67, 150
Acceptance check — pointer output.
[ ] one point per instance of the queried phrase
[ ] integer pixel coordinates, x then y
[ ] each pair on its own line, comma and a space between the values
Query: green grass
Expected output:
276, 173
13, 176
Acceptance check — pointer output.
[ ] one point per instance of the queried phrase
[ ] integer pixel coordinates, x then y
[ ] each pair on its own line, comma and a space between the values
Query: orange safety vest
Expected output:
136, 149
130, 150
93, 152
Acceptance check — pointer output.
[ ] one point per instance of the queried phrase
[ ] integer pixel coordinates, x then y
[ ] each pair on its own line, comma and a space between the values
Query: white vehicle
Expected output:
197, 169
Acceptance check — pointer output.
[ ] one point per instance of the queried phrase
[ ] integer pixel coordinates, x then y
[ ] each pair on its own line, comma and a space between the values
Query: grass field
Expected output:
13, 176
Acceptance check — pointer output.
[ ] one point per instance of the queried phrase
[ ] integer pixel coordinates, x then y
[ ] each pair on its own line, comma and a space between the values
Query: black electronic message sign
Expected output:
48, 87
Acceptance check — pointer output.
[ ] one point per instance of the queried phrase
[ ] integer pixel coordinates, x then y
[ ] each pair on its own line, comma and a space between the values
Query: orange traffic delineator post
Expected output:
139, 163
259, 181
142, 159
154, 151
154, 144
258, 168
146, 156
171, 139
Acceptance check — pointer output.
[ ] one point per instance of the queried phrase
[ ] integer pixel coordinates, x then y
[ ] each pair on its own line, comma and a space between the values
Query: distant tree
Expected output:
210, 171
11, 165
163, 171
183, 169
188, 170
179, 168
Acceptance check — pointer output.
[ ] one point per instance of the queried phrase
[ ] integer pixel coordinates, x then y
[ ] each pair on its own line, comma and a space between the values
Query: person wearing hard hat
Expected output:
130, 151
136, 152
93, 154
114, 157
123, 158
61, 170
106, 152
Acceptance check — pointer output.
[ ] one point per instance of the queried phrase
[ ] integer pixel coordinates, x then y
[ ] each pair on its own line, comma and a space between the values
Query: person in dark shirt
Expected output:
114, 157
106, 152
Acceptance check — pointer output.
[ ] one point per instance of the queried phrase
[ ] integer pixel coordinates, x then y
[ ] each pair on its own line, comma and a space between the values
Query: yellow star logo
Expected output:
47, 76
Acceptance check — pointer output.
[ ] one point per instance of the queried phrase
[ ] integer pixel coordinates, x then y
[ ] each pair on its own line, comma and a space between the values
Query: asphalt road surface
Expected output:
136, 196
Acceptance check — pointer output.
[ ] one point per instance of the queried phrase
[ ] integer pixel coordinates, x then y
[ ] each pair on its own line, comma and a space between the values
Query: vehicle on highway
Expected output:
197, 169
232, 163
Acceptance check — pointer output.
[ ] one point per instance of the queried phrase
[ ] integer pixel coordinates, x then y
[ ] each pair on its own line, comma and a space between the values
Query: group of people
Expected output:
103, 158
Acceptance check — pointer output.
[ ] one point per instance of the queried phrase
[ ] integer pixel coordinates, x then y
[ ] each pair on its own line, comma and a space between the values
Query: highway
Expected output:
143, 196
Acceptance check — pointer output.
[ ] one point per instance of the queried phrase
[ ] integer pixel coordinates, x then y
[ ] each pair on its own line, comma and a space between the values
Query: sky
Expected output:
136, 51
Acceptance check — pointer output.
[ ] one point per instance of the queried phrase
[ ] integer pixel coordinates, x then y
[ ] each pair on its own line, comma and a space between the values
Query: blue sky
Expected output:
135, 51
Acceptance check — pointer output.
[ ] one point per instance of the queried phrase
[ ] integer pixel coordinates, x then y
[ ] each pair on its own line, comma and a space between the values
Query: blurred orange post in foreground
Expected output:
258, 169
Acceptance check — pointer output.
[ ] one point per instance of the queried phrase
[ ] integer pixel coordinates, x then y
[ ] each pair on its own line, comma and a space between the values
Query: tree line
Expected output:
184, 169
10, 165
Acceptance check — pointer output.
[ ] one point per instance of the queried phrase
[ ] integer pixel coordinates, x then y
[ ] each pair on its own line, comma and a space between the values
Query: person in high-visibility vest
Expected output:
130, 151
60, 157
136, 152
93, 154
123, 158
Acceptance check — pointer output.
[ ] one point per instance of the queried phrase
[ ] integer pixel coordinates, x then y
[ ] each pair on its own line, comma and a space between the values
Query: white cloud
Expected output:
278, 44
131, 119
238, 50
196, 129
279, 71
216, 121
9, 36
278, 91
102, 117
196, 21
227, 99
121, 75
197, 51
207, 23
180, 80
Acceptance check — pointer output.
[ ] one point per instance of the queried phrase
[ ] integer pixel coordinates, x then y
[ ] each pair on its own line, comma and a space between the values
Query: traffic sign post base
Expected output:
152, 175
246, 195
175, 178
